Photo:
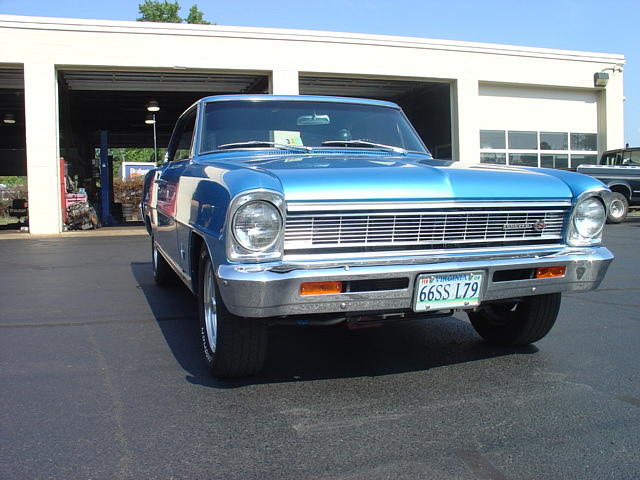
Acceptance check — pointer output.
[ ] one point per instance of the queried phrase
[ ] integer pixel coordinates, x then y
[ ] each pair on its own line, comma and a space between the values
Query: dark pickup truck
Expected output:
620, 171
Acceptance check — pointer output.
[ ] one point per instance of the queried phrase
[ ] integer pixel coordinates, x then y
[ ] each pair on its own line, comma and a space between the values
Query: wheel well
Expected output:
621, 189
194, 249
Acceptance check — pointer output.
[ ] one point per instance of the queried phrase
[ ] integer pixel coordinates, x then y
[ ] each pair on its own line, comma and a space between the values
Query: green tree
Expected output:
168, 12
156, 11
196, 16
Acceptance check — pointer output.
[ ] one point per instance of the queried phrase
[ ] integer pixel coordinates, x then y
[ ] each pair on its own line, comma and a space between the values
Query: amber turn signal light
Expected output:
320, 288
548, 272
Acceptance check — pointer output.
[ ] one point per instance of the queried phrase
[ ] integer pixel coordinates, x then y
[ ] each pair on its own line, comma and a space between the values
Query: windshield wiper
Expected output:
261, 143
364, 143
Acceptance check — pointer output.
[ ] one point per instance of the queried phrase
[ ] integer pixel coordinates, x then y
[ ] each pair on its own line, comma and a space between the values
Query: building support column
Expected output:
41, 119
611, 114
285, 82
465, 135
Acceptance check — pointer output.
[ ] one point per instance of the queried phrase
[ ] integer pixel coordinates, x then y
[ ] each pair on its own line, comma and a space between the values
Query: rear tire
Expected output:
519, 323
232, 346
618, 208
163, 274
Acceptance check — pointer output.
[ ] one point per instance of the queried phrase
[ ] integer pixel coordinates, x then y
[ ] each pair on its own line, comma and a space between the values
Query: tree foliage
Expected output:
12, 181
168, 12
156, 11
196, 16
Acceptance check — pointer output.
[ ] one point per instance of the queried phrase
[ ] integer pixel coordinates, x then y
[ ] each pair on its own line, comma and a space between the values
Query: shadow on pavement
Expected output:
633, 220
313, 353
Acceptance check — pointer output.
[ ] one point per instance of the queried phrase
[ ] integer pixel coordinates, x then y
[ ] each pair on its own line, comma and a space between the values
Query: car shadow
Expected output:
314, 353
634, 220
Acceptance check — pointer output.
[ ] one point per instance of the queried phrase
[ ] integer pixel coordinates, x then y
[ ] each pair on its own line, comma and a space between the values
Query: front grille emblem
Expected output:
537, 225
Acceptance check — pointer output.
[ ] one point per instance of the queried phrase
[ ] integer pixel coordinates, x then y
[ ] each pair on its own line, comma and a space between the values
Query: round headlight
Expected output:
256, 225
589, 218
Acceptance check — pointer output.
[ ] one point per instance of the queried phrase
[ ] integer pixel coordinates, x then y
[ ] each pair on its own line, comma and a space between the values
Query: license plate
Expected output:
448, 290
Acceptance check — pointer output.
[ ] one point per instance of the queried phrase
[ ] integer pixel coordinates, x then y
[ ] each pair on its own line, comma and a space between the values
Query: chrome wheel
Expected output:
209, 304
616, 208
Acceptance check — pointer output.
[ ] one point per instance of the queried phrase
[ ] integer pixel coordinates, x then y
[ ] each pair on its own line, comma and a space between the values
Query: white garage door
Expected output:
545, 127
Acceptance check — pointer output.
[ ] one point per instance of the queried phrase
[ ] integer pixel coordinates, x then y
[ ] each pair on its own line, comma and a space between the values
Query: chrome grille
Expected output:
424, 228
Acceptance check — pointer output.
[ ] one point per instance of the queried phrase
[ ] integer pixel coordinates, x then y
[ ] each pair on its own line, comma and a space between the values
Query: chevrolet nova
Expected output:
320, 210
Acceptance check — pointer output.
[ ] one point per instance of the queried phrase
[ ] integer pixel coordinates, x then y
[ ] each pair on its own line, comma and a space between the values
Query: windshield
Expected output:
281, 123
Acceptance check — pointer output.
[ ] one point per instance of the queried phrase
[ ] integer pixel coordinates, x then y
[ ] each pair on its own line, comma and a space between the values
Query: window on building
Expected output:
496, 158
523, 140
554, 161
538, 149
492, 139
584, 141
524, 159
553, 141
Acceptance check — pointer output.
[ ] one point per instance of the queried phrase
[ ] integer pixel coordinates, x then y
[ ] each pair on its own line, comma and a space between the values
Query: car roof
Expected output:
299, 98
617, 150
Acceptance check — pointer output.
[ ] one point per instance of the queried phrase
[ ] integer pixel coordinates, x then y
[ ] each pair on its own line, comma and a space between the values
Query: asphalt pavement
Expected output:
101, 378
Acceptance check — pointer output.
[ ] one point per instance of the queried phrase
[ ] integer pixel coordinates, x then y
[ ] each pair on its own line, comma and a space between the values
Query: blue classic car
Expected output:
317, 210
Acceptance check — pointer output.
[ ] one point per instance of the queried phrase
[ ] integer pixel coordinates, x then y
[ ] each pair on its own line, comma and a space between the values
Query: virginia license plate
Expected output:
448, 290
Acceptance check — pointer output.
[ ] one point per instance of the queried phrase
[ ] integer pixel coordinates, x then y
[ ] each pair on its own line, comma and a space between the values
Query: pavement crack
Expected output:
631, 400
124, 463
303, 427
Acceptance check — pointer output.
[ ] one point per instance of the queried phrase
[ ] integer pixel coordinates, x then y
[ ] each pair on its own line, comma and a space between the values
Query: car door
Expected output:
178, 156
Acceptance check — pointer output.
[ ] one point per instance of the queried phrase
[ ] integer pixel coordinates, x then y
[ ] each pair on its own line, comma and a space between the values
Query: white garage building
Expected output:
64, 81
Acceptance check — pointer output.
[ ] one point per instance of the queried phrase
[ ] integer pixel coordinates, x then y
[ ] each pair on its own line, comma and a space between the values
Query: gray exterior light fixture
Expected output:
600, 79
9, 118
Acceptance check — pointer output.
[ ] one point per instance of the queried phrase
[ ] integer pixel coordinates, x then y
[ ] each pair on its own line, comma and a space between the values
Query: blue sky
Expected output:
597, 26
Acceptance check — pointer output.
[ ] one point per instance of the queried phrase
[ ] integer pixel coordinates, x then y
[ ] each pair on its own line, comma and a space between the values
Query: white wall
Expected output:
93, 44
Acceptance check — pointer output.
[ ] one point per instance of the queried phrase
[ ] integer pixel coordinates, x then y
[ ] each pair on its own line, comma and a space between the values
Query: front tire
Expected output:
618, 208
517, 323
232, 346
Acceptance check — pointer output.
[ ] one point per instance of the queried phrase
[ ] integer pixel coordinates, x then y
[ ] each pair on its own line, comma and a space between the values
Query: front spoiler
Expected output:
263, 292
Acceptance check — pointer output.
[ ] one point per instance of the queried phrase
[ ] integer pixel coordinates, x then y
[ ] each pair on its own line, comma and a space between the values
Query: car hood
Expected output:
377, 177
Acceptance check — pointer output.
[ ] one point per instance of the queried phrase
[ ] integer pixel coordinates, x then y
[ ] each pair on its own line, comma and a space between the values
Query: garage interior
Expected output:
115, 102
426, 104
13, 158
12, 128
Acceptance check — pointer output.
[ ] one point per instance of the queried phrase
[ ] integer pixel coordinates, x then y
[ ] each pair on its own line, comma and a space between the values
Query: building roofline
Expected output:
134, 27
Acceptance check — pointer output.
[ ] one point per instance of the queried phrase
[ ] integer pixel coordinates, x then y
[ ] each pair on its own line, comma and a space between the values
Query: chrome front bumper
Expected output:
266, 291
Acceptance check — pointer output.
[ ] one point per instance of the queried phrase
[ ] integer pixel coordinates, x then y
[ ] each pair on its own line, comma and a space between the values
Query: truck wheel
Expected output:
233, 346
618, 208
519, 323
163, 274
